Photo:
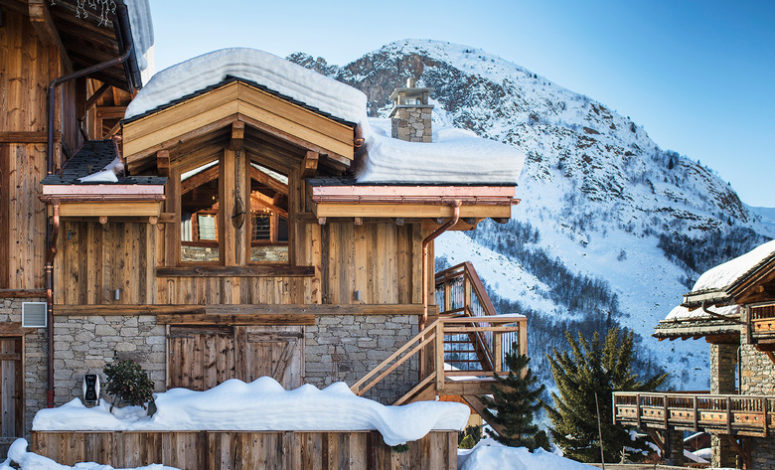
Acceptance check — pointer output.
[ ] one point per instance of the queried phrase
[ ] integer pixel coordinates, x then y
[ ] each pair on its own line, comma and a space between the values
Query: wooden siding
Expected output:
27, 69
381, 260
230, 450
94, 260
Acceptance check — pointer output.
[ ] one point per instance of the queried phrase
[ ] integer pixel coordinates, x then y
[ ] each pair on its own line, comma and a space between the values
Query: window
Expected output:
199, 214
268, 215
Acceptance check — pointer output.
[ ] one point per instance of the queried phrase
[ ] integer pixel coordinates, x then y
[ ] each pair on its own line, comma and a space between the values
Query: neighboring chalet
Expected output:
732, 306
240, 218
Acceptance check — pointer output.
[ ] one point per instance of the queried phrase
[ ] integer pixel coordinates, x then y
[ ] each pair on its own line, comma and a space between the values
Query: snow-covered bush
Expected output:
129, 384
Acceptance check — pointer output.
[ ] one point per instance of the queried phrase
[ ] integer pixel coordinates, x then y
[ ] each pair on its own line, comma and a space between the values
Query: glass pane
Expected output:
199, 214
269, 215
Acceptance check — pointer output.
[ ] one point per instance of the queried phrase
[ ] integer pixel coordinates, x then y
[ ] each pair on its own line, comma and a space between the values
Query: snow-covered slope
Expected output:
611, 228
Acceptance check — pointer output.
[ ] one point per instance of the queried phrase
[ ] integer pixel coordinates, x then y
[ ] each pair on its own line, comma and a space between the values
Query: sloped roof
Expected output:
93, 157
720, 283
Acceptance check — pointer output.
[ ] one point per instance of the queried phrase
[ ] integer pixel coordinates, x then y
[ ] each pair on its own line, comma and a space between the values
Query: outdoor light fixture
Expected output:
91, 389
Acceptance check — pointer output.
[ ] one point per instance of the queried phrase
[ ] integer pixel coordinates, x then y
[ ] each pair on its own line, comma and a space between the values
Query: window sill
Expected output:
265, 270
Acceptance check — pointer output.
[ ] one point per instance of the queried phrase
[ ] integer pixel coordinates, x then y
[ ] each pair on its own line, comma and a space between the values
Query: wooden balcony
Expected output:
733, 415
761, 325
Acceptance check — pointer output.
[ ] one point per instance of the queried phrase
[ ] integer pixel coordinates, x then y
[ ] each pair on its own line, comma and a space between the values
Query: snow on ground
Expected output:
31, 461
727, 273
490, 454
262, 405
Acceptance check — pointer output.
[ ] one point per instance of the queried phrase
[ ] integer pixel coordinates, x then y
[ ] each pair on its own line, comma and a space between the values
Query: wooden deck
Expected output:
244, 450
734, 415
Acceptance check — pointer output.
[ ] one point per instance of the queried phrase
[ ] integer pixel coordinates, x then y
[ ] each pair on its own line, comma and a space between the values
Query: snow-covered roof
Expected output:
142, 36
454, 156
277, 74
727, 274
262, 405
681, 313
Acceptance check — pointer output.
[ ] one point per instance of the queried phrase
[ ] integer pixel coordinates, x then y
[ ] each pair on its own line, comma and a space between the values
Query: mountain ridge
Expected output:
612, 229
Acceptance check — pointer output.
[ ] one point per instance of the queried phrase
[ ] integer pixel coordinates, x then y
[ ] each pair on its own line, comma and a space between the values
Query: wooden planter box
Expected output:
246, 450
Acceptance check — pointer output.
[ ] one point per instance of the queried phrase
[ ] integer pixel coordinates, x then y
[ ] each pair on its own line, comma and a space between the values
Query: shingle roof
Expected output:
91, 158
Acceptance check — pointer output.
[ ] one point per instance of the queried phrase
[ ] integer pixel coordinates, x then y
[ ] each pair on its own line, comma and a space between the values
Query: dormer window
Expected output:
268, 215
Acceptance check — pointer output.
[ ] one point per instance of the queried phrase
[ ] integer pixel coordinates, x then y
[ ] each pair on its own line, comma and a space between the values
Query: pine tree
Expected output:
514, 404
591, 368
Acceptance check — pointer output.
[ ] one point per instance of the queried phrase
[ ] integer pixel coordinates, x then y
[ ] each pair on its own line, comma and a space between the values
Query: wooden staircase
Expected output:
461, 350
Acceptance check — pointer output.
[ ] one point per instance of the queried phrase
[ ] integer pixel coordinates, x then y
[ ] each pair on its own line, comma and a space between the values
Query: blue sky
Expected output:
698, 75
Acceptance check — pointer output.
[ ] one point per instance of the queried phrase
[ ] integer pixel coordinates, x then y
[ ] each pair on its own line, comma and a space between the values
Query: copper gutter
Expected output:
52, 230
426, 241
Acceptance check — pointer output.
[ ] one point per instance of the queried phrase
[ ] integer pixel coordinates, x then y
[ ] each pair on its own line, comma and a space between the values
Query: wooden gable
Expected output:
218, 108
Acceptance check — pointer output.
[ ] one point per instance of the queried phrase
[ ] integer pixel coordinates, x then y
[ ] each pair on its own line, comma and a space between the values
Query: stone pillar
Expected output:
675, 447
723, 363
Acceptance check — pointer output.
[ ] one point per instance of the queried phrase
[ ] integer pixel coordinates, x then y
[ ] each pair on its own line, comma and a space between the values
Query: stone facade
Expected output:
412, 123
346, 347
337, 348
723, 364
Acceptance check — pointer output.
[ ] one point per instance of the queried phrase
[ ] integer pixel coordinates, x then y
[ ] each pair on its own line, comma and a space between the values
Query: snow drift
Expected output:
262, 405
491, 454
31, 461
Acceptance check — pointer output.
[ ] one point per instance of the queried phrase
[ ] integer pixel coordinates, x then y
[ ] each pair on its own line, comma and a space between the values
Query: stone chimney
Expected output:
411, 113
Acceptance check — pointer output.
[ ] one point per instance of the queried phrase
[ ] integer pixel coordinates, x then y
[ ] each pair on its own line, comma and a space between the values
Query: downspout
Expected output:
125, 44
425, 277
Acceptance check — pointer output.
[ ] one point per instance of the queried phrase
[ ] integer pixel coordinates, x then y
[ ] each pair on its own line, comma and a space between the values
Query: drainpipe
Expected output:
125, 45
425, 277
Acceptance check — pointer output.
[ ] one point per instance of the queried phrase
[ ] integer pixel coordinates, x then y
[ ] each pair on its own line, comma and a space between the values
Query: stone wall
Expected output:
346, 347
337, 348
85, 344
757, 372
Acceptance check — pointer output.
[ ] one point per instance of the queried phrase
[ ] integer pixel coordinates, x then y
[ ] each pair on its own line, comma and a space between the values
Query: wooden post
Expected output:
729, 415
766, 412
227, 232
637, 409
696, 414
439, 365
497, 339
667, 414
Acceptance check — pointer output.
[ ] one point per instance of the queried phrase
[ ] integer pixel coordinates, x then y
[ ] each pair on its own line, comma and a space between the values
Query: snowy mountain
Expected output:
611, 229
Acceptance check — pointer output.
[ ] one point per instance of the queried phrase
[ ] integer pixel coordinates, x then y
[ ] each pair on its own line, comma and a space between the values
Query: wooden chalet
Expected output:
236, 243
733, 308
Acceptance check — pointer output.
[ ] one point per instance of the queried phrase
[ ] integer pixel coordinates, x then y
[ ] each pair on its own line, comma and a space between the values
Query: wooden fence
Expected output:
246, 450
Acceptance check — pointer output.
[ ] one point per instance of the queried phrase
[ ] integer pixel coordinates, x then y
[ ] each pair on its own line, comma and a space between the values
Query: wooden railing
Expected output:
745, 415
447, 380
762, 320
460, 293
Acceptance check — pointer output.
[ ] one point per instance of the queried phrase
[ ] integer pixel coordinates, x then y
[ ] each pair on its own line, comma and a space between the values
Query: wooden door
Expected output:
11, 387
201, 357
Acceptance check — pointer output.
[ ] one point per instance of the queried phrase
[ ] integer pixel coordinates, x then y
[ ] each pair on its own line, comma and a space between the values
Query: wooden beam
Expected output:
309, 165
45, 30
268, 181
407, 211
108, 208
163, 162
236, 319
15, 329
239, 309
236, 271
123, 309
199, 179
237, 135
22, 293
24, 137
